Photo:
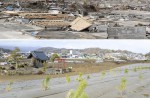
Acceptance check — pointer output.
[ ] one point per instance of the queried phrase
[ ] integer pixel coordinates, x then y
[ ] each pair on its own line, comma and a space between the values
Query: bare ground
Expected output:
97, 87
85, 68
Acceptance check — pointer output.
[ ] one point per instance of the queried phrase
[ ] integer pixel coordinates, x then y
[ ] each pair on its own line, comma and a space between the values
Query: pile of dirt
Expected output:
35, 5
83, 7
90, 8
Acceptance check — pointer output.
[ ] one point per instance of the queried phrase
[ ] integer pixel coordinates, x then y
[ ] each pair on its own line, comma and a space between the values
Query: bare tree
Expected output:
15, 56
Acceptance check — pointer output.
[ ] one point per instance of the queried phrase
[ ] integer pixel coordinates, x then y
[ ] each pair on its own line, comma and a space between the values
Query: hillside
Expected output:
85, 51
5, 50
148, 54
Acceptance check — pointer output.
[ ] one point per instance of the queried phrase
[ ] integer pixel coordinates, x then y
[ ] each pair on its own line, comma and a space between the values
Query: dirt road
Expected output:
97, 87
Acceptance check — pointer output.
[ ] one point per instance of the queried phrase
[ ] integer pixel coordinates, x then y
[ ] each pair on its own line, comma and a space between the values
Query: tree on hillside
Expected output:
123, 58
53, 57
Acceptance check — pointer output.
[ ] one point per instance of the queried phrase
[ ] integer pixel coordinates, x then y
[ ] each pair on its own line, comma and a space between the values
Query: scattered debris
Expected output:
51, 23
99, 17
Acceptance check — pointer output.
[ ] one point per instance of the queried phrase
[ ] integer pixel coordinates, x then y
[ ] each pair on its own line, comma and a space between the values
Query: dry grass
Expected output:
146, 95
85, 68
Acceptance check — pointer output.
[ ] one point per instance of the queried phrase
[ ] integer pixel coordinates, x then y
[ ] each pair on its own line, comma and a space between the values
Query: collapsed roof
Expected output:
80, 24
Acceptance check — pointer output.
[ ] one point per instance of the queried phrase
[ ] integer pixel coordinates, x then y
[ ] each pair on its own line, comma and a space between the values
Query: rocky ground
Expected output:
97, 87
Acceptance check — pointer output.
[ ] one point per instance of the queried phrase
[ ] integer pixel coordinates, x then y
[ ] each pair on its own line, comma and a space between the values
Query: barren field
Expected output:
85, 68
97, 87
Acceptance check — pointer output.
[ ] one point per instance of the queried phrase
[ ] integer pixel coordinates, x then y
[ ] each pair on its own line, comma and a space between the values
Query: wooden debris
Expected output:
80, 24
51, 23
44, 16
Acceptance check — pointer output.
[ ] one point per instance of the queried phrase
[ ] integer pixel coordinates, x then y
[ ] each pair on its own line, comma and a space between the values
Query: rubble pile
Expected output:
97, 17
45, 16
127, 32
35, 5
51, 23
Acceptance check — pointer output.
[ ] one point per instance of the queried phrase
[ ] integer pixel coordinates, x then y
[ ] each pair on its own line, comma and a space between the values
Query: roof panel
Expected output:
39, 55
80, 24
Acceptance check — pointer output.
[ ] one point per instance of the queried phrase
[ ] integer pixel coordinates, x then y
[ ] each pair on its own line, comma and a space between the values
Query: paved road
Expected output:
97, 87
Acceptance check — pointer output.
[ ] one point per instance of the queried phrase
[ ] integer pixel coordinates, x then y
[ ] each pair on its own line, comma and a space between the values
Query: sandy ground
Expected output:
14, 35
97, 87
9, 30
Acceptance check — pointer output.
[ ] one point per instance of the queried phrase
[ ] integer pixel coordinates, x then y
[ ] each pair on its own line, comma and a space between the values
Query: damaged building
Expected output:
127, 32
90, 19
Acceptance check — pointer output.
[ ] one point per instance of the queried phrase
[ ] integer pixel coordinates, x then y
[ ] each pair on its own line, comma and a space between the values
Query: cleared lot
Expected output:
97, 87
12, 31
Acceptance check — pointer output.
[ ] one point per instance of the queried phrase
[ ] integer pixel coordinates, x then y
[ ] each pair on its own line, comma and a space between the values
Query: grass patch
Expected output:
79, 92
68, 79
45, 83
146, 95
9, 86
